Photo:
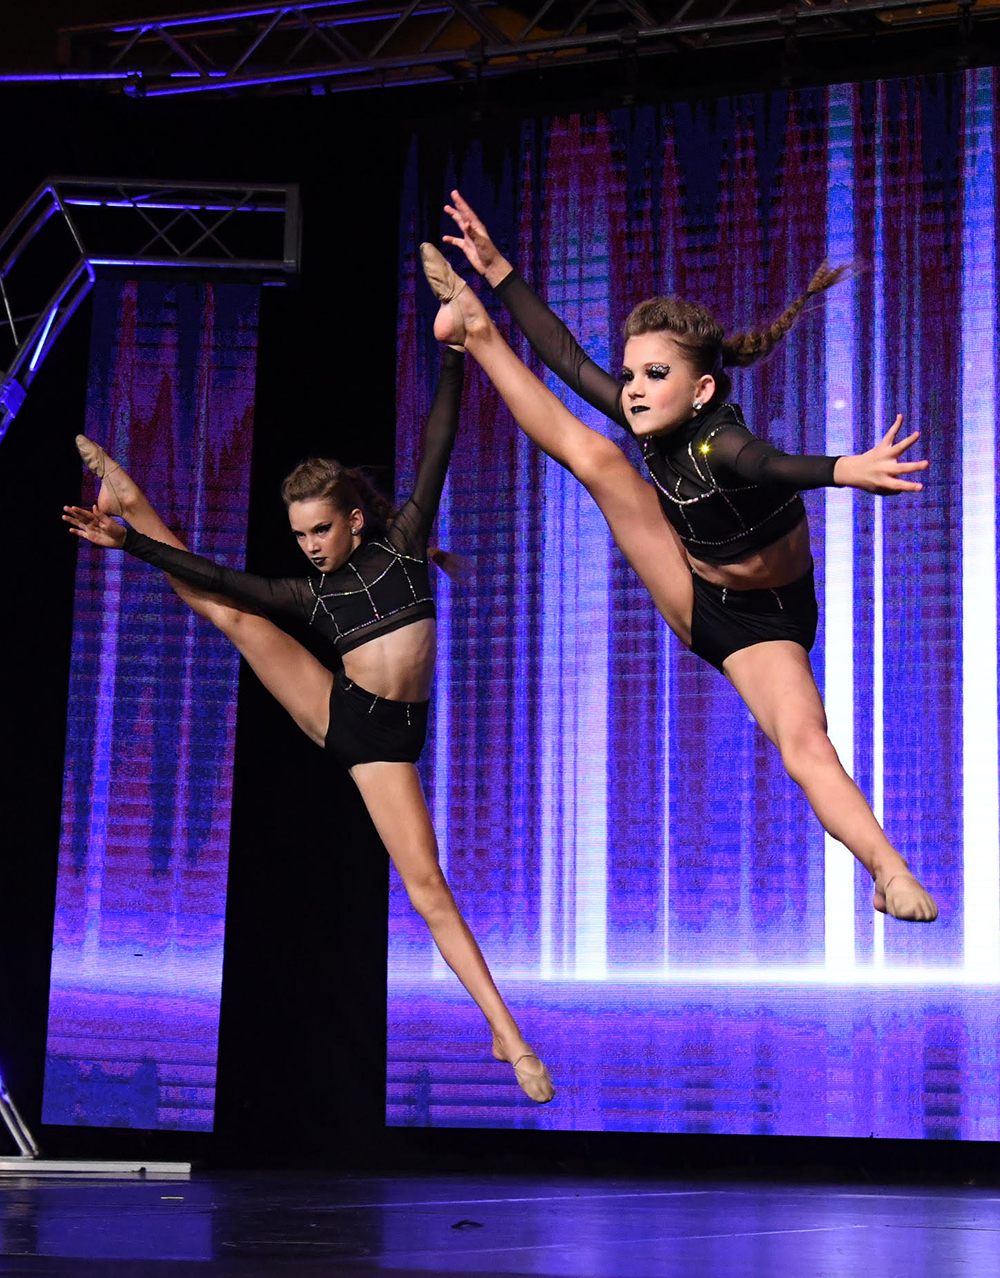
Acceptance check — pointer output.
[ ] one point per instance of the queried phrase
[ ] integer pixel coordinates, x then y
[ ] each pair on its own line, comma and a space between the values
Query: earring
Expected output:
696, 405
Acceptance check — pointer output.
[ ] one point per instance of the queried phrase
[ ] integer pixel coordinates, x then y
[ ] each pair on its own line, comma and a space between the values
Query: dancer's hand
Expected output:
99, 529
475, 242
879, 470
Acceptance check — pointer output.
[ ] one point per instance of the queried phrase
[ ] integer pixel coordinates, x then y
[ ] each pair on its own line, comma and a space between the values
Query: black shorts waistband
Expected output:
380, 708
770, 599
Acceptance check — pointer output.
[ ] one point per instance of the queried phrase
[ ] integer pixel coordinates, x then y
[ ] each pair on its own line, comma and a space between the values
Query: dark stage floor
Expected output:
243, 1226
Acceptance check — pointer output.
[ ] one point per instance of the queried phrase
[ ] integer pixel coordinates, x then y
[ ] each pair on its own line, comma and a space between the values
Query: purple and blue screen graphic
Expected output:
140, 908
663, 913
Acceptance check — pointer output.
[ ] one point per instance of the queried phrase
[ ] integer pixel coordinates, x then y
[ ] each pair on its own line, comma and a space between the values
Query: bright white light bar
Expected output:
839, 579
981, 818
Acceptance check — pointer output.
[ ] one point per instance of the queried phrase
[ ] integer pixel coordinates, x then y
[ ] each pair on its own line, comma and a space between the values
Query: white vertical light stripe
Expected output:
587, 778
442, 712
980, 815
575, 728
666, 664
839, 610
878, 703
878, 697
880, 416
550, 799
110, 577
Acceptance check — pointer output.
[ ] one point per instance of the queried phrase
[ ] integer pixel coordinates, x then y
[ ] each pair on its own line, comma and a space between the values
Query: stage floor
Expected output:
232, 1226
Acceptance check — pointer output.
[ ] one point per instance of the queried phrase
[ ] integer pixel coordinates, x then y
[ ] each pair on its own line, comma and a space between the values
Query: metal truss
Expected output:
355, 44
72, 227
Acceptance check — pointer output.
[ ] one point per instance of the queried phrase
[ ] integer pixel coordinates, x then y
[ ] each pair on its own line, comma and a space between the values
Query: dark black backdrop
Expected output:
301, 1071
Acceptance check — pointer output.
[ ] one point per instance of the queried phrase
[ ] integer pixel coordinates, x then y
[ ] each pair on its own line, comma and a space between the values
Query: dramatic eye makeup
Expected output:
656, 371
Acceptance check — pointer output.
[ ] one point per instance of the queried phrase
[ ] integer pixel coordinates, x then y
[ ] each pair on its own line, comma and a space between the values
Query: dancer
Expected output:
371, 597
729, 567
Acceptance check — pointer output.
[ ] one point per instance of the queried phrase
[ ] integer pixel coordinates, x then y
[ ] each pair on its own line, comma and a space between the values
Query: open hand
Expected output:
475, 241
879, 470
98, 528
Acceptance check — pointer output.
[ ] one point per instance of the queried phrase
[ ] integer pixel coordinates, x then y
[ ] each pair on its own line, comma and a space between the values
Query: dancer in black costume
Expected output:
371, 597
721, 542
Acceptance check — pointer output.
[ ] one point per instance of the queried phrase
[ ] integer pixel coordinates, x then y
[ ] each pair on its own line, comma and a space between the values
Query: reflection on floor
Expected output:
403, 1227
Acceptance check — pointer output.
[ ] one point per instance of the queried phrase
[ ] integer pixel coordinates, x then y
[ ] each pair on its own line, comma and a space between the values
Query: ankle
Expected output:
887, 868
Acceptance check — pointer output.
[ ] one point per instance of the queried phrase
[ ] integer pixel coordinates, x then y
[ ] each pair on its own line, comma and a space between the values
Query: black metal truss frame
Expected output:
329, 47
133, 224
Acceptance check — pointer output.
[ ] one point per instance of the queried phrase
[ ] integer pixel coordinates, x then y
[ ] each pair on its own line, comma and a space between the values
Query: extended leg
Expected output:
625, 499
776, 682
395, 800
290, 673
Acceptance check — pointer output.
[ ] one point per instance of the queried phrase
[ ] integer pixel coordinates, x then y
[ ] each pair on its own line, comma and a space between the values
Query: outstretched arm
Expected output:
412, 524
879, 470
551, 340
757, 462
275, 595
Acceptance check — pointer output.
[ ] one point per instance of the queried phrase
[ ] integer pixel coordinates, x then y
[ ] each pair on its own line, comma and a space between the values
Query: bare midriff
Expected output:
398, 666
779, 564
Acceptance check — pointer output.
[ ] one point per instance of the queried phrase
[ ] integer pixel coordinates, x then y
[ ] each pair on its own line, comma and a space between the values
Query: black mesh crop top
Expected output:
383, 586
727, 493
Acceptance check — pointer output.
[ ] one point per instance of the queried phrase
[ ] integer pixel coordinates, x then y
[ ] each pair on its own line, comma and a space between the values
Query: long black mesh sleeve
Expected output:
278, 595
559, 350
757, 462
412, 524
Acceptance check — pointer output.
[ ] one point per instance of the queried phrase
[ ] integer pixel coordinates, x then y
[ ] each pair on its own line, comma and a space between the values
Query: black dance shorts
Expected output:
725, 620
365, 728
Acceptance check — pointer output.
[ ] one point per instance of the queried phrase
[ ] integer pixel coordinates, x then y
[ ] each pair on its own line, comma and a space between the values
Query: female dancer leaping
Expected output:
371, 596
729, 568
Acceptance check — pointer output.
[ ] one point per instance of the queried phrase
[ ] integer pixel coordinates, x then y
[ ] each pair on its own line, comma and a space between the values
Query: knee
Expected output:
597, 464
807, 751
430, 895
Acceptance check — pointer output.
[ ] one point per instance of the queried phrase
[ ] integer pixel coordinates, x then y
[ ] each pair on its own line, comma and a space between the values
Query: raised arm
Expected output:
551, 340
289, 596
412, 524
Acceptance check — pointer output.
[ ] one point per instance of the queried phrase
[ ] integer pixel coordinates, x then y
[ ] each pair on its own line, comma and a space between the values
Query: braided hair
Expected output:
700, 335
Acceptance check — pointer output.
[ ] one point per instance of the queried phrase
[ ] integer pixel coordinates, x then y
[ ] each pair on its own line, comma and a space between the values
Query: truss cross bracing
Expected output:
72, 227
321, 46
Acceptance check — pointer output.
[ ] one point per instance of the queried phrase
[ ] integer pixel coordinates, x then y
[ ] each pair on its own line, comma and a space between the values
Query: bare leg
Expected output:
776, 681
292, 675
395, 800
391, 791
626, 500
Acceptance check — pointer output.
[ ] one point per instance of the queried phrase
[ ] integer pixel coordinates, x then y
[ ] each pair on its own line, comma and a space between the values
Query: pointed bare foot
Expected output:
532, 1076
118, 489
903, 897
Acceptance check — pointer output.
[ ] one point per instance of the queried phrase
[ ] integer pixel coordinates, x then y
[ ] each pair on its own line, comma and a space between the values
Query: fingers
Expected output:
893, 430
455, 216
463, 206
468, 219
76, 514
902, 445
891, 485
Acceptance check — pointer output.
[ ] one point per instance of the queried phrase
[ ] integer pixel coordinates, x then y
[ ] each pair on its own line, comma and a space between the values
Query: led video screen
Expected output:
666, 918
140, 908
